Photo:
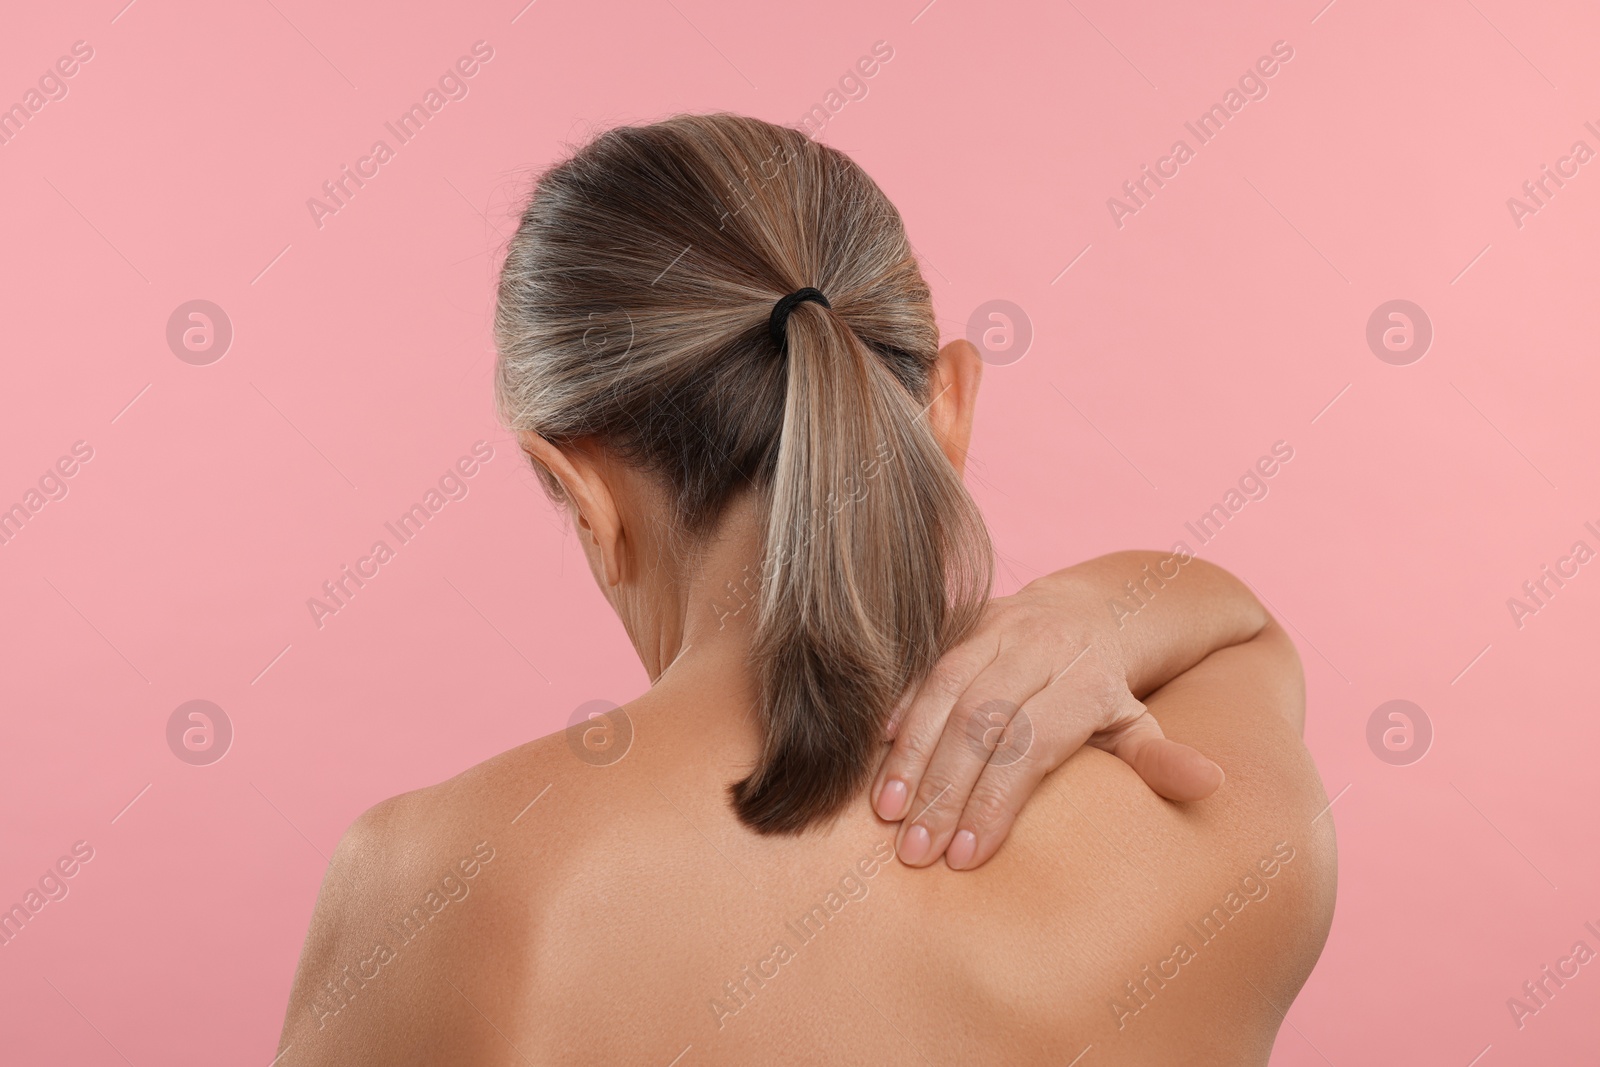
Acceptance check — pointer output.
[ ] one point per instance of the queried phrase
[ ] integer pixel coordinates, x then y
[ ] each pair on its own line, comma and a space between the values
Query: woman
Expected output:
720, 356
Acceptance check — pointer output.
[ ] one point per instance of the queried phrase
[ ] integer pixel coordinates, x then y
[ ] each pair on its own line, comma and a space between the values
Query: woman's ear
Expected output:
957, 375
594, 507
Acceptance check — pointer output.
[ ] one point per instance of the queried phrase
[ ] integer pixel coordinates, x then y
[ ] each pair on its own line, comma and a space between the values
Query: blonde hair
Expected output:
633, 313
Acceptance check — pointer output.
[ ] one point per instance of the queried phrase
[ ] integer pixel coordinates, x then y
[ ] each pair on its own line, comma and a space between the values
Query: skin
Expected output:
568, 912
1062, 663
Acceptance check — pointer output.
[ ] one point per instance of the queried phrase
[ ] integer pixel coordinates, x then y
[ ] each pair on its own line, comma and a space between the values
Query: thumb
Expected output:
1170, 768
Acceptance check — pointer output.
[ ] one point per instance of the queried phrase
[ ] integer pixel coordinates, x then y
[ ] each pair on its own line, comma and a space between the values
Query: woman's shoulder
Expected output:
421, 894
1169, 916
420, 828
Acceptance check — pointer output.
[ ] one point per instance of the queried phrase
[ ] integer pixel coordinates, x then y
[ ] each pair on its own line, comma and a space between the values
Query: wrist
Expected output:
1083, 613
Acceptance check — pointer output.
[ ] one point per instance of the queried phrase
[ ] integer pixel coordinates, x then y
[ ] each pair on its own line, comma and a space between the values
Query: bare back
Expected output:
623, 914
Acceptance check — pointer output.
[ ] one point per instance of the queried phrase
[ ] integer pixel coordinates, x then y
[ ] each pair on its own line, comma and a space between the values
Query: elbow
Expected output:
1288, 675
1251, 614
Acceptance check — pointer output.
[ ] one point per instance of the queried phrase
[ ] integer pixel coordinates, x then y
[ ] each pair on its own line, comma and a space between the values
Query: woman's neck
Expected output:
694, 638
704, 607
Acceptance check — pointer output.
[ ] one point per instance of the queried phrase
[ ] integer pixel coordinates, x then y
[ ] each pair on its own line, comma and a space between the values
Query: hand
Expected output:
1045, 672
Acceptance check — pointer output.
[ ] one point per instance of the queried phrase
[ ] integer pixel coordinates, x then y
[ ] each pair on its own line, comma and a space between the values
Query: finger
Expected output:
897, 714
1015, 769
1170, 768
976, 729
1005, 785
921, 722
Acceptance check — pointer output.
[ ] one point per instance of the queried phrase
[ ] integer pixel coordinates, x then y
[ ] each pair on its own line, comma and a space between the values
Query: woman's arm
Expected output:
1264, 842
373, 985
1168, 612
1062, 663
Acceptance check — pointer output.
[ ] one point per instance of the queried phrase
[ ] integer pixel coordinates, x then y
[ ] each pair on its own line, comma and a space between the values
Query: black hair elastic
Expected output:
777, 324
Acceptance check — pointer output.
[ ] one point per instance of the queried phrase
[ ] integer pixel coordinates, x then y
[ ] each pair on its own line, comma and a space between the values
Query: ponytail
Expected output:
876, 561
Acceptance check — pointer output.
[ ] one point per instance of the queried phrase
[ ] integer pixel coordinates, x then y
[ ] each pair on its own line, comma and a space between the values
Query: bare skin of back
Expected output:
538, 909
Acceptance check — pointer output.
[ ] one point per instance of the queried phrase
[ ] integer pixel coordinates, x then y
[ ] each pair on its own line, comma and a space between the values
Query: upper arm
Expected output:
371, 985
1261, 678
325, 1022
1244, 707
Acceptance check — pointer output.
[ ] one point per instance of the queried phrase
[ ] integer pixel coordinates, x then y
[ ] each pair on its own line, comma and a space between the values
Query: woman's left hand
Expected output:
1049, 669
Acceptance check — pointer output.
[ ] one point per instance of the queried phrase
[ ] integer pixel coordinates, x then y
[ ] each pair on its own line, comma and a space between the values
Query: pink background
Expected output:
1222, 317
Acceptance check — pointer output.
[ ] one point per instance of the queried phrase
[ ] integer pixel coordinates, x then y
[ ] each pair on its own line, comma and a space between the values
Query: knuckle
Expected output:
1122, 708
913, 746
987, 809
936, 799
989, 727
948, 678
1109, 700
1016, 744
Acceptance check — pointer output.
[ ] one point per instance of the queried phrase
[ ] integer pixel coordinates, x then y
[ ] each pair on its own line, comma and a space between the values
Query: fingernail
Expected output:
914, 846
892, 799
961, 849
